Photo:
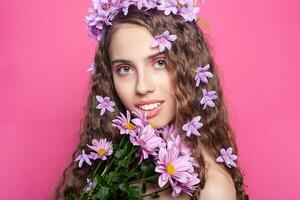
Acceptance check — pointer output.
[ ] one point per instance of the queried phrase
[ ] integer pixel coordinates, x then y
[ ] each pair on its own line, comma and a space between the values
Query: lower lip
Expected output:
151, 113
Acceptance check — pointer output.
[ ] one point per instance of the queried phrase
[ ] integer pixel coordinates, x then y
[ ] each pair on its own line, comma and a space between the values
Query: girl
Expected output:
139, 75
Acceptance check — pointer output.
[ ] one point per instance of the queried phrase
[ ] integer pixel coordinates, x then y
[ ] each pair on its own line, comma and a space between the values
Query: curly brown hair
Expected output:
189, 51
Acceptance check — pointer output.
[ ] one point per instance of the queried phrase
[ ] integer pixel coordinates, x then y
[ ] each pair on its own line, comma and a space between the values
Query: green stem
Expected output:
94, 173
143, 180
158, 191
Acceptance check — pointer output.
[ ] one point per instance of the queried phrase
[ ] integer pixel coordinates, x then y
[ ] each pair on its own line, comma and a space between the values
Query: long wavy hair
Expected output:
188, 51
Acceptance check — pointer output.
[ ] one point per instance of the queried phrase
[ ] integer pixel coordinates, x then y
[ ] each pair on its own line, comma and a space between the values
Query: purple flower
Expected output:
126, 5
105, 104
90, 185
152, 4
141, 3
173, 167
92, 68
94, 24
189, 187
102, 147
189, 12
84, 158
227, 157
123, 123
202, 74
208, 97
148, 141
168, 7
163, 41
141, 120
169, 134
192, 126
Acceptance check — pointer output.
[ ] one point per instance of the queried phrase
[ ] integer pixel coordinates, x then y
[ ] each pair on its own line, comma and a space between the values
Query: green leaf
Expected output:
134, 193
124, 187
73, 196
147, 170
103, 193
119, 153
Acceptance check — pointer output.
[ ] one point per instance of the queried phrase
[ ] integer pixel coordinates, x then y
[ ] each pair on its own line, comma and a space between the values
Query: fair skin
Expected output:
139, 76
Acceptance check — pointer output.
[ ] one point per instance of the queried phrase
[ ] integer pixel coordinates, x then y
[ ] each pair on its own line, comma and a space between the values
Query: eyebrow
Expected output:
128, 61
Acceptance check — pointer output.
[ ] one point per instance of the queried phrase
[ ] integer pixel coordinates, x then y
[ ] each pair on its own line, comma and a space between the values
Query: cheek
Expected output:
124, 91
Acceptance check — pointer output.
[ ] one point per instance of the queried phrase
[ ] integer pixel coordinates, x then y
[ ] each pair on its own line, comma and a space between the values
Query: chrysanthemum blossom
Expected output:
168, 7
140, 120
92, 68
189, 187
189, 12
192, 126
173, 167
84, 158
202, 75
105, 104
103, 12
169, 134
207, 99
102, 147
228, 157
123, 124
148, 142
90, 185
163, 41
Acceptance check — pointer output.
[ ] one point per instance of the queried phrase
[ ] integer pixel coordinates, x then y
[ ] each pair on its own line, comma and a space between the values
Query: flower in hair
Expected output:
192, 126
84, 158
105, 104
202, 74
189, 13
168, 7
92, 68
163, 41
208, 97
102, 147
227, 157
141, 3
103, 12
123, 124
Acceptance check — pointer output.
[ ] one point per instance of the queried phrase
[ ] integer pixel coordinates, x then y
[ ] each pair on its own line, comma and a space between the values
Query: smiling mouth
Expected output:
151, 109
148, 107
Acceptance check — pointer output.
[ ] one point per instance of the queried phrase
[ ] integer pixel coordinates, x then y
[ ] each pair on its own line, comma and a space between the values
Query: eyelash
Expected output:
121, 67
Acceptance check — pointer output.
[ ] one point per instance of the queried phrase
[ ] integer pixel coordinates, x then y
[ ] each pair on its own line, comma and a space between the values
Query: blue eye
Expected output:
124, 70
161, 63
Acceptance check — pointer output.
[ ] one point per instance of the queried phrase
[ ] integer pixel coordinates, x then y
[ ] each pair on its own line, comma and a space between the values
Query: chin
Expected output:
159, 123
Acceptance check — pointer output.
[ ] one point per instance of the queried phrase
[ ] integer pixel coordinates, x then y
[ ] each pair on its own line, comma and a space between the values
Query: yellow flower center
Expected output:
101, 152
151, 124
129, 126
170, 168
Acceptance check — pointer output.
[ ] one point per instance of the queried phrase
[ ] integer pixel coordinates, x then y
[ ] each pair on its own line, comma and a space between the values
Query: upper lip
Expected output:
145, 102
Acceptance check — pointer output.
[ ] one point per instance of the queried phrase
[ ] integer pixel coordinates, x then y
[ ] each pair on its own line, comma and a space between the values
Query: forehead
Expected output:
131, 42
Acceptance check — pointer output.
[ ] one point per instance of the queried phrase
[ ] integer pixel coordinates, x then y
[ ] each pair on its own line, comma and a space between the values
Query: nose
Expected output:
144, 83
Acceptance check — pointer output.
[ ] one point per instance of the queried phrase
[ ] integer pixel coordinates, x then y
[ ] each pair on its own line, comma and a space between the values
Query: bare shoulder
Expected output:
219, 185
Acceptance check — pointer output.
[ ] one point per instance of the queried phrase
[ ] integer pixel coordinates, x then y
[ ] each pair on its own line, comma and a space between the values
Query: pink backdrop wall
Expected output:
45, 52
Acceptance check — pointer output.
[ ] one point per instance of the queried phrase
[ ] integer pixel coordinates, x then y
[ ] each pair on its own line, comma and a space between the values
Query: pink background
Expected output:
45, 52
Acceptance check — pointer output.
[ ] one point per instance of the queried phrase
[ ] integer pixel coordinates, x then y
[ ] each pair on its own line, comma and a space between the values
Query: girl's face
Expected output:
140, 76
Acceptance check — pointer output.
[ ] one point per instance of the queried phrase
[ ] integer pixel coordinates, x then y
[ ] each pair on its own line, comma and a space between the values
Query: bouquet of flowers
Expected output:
144, 155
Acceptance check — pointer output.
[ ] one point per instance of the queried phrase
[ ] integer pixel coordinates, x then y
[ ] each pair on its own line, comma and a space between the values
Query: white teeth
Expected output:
149, 106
